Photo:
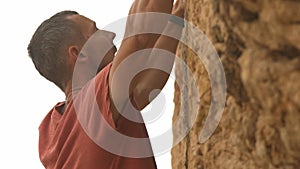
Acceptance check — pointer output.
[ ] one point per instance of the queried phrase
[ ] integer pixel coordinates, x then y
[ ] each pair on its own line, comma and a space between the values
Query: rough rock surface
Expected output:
258, 42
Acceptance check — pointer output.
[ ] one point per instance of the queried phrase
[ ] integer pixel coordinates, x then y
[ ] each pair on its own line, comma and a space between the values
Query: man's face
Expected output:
100, 42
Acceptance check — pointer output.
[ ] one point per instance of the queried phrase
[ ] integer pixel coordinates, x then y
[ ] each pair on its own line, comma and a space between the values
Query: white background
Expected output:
26, 97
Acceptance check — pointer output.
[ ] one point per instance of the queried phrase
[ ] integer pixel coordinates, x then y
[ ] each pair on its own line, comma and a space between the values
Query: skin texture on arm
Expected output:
134, 43
134, 23
139, 47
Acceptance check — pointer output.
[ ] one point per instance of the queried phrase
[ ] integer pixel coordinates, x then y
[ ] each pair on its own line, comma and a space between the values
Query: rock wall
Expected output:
258, 42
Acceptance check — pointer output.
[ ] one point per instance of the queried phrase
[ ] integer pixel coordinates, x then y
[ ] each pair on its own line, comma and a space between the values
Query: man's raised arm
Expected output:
141, 50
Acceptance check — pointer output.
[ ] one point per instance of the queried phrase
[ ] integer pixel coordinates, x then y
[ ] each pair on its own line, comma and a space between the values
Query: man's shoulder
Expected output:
52, 117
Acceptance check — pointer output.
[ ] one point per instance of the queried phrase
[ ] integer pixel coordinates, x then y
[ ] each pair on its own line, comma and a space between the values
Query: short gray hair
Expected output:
48, 44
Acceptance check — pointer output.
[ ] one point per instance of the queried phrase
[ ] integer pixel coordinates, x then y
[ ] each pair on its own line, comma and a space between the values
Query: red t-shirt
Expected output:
84, 138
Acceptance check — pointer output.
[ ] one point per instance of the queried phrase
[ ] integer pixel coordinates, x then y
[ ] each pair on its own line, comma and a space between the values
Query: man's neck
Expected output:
68, 92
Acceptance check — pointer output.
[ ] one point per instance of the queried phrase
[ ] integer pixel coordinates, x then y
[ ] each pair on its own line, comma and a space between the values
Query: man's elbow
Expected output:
143, 95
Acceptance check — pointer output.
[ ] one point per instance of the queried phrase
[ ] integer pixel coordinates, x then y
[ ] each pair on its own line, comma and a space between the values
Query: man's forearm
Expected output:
141, 17
161, 59
169, 38
162, 6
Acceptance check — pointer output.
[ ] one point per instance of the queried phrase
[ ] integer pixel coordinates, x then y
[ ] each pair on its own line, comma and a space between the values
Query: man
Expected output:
77, 133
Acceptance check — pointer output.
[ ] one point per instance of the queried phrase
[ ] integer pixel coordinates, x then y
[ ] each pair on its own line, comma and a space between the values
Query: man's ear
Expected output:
75, 54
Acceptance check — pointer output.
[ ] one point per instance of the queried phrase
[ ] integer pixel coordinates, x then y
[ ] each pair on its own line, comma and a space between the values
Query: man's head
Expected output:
57, 42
